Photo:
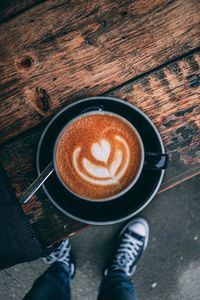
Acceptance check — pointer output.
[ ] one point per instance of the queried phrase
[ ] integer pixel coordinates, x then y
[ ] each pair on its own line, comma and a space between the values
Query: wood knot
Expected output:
39, 99
94, 31
42, 100
25, 63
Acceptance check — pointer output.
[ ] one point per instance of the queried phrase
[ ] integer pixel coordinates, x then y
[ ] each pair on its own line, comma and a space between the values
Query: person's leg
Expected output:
55, 282
116, 285
131, 244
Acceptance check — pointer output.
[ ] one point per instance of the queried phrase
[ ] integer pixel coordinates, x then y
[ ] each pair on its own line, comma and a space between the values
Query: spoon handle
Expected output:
37, 184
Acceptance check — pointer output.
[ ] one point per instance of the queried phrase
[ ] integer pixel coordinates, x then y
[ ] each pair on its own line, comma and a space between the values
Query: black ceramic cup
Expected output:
148, 160
131, 200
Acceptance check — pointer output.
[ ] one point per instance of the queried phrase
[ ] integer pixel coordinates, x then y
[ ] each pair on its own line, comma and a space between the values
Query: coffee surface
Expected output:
98, 155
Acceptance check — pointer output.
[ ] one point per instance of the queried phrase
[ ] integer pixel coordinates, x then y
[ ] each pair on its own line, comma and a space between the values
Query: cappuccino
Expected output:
98, 155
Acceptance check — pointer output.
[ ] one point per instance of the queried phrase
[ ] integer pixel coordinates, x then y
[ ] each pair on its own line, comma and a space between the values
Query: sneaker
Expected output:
62, 253
132, 242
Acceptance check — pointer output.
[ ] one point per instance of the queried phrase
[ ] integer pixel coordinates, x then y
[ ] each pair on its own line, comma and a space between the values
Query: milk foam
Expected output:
98, 155
101, 150
110, 173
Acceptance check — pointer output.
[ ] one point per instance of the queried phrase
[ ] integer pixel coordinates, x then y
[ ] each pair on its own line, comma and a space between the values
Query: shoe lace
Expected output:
62, 253
128, 251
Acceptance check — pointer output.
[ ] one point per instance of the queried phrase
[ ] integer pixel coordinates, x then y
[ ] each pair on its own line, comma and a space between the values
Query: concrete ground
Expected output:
169, 269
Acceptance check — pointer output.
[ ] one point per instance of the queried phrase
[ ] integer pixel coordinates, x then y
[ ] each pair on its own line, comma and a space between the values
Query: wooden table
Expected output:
53, 53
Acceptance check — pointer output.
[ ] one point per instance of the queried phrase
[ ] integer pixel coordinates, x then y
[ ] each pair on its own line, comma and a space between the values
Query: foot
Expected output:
133, 240
62, 254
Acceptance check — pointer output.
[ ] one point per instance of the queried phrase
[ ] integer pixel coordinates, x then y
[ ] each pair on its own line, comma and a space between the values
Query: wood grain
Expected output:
54, 53
169, 95
11, 8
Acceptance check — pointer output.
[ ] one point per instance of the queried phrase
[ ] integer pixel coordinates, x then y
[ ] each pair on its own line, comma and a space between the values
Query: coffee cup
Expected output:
99, 155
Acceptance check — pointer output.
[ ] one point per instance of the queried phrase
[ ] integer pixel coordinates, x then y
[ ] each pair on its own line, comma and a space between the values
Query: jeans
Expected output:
55, 284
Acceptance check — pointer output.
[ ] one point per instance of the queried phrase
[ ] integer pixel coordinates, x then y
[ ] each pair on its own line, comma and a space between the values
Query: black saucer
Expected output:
101, 212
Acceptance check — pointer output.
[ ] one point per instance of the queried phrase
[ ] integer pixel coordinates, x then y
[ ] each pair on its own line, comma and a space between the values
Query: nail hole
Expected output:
124, 13
25, 63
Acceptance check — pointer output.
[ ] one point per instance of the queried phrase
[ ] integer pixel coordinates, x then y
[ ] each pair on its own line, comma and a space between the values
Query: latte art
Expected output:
103, 175
98, 155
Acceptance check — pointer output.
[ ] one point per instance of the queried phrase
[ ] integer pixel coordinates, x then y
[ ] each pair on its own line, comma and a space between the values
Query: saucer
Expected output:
116, 210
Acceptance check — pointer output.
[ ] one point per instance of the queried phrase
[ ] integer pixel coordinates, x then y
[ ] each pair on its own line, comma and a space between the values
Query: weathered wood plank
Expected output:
170, 96
10, 8
55, 53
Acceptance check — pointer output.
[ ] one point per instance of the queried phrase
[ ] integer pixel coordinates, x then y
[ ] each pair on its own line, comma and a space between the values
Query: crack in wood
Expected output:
185, 111
51, 37
92, 13
42, 100
193, 80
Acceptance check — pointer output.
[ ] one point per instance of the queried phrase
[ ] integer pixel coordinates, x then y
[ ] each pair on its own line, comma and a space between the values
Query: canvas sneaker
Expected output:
132, 242
63, 253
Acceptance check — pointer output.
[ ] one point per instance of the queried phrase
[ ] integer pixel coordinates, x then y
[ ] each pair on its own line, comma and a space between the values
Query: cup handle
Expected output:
155, 161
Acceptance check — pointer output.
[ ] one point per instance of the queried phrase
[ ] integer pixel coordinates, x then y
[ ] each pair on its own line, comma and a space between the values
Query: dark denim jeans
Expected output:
55, 284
